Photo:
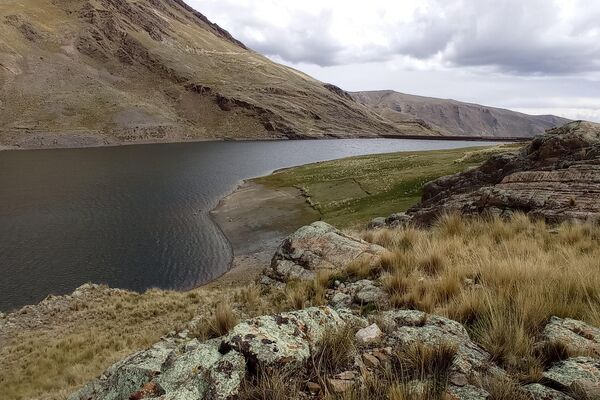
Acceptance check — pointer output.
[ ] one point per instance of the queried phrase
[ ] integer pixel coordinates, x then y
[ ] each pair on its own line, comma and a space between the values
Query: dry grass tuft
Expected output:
222, 321
333, 352
268, 385
502, 279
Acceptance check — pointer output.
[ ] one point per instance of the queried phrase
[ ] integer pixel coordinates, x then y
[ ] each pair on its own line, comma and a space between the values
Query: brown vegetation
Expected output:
502, 279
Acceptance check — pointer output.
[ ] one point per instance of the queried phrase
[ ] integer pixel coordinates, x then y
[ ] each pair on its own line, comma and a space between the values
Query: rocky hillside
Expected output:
451, 117
555, 178
94, 72
335, 351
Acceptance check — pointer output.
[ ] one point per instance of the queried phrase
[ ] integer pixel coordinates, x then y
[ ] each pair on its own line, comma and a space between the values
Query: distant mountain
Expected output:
451, 117
93, 72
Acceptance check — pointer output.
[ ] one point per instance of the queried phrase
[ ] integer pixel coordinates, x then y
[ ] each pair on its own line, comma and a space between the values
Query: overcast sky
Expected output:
535, 56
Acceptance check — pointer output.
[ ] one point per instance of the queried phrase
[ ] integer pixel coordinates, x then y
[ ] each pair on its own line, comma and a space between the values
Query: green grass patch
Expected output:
351, 191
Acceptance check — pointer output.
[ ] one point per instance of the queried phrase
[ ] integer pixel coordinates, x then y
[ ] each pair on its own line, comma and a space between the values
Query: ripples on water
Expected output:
136, 217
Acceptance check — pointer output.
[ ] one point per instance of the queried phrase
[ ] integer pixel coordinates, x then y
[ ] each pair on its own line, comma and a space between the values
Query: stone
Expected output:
317, 247
283, 340
577, 336
366, 292
406, 327
555, 178
398, 220
370, 360
467, 392
541, 392
340, 299
346, 375
377, 223
580, 375
340, 385
370, 334
313, 388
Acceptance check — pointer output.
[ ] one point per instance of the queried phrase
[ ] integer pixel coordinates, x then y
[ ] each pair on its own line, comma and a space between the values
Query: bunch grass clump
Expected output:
503, 279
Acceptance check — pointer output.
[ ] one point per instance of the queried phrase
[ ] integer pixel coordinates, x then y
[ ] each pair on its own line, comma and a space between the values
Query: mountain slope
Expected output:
451, 117
92, 72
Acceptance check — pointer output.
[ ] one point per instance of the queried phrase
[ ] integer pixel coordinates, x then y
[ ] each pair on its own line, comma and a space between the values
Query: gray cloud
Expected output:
513, 36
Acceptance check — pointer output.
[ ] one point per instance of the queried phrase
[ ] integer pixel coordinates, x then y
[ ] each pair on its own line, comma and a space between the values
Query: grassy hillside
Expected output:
351, 191
84, 72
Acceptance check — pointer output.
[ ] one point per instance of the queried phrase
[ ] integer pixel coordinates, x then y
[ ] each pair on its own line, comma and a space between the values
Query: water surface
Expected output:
136, 217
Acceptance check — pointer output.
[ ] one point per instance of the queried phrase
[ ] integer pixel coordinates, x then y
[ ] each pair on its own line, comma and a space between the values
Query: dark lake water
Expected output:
136, 217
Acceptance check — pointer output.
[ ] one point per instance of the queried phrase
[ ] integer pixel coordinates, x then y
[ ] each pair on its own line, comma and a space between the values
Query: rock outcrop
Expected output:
171, 371
317, 247
406, 327
283, 341
556, 178
188, 369
180, 368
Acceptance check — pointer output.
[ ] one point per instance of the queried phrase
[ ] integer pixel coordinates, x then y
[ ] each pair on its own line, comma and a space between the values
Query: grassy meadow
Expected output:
351, 191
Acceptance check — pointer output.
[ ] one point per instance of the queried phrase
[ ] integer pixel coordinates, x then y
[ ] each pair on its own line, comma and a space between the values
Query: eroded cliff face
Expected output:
556, 178
85, 72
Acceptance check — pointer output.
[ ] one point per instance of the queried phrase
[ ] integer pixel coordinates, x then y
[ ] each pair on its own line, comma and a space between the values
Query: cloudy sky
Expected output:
535, 56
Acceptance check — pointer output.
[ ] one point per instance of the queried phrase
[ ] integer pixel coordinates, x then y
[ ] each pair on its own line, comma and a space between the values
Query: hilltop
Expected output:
451, 117
95, 72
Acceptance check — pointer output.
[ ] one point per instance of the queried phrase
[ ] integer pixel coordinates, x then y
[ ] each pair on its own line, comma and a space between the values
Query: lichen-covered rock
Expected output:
226, 375
366, 292
172, 372
283, 340
577, 336
580, 375
127, 376
541, 392
406, 327
316, 247
340, 300
467, 392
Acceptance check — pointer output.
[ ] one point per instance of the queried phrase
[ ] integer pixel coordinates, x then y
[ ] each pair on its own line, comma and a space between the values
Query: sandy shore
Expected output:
255, 219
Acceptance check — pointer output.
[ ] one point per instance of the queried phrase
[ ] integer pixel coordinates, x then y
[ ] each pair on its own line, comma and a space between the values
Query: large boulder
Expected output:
317, 247
406, 327
284, 340
170, 371
556, 177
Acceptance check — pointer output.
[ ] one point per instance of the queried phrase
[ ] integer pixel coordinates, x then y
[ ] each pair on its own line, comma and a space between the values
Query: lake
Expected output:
137, 217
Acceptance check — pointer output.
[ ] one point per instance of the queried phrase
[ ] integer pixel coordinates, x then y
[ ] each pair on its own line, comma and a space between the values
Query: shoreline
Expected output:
255, 219
7, 147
